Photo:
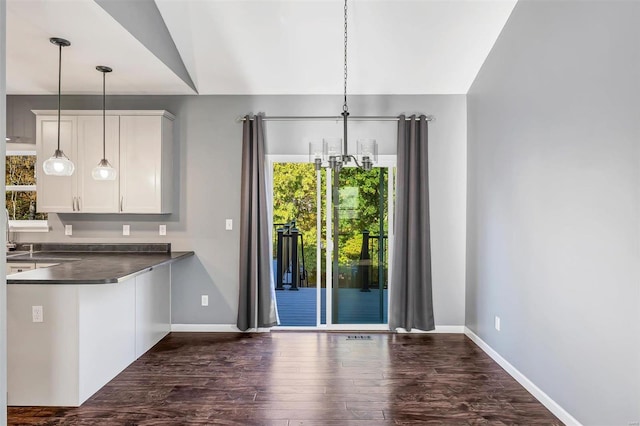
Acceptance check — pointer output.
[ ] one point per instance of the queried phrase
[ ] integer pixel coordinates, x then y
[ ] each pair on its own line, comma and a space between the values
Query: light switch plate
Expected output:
496, 323
68, 230
162, 230
125, 230
229, 224
205, 300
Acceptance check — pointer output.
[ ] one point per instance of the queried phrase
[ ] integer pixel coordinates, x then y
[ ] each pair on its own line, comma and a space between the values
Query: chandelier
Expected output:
333, 152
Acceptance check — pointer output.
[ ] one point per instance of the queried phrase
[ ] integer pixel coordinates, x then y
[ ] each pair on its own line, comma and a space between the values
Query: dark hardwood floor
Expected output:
295, 378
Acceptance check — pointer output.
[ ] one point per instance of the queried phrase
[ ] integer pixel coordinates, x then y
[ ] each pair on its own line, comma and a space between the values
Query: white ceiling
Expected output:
96, 39
258, 46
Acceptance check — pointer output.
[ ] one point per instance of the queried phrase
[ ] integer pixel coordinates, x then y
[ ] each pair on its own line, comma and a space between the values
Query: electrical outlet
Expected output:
68, 230
229, 224
37, 314
496, 323
125, 230
162, 230
205, 300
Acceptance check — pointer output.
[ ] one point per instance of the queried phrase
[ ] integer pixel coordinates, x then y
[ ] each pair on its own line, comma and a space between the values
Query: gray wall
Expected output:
553, 220
207, 157
3, 281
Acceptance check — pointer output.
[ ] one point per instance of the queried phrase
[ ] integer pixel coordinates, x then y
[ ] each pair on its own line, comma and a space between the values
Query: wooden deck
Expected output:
298, 308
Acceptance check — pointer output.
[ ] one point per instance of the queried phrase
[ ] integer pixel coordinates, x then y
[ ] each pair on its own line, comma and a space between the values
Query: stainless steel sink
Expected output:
48, 259
16, 253
42, 257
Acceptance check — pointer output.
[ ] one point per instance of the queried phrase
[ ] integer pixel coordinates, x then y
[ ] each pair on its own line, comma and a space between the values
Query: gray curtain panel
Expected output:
256, 307
410, 299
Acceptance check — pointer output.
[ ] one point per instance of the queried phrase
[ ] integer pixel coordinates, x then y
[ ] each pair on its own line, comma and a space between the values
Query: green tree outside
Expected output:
358, 208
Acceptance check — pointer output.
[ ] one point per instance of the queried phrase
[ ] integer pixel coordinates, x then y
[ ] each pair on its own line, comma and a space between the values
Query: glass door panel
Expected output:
298, 208
360, 234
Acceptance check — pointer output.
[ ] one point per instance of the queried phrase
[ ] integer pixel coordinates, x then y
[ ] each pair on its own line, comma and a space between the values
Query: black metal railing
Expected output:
289, 250
375, 244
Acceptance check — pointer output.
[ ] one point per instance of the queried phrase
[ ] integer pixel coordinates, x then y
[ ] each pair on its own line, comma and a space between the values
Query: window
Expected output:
20, 199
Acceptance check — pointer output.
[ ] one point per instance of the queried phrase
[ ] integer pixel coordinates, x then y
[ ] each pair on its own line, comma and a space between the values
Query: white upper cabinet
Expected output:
56, 193
96, 196
146, 171
139, 145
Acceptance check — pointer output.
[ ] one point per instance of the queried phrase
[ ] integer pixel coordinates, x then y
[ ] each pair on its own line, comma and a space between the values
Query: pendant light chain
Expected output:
345, 107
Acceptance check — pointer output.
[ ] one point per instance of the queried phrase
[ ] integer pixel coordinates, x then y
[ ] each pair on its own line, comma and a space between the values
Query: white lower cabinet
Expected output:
90, 333
106, 338
153, 307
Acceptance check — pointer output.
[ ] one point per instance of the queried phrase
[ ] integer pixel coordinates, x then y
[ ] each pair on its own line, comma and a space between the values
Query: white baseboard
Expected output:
456, 329
210, 328
538, 393
231, 328
214, 328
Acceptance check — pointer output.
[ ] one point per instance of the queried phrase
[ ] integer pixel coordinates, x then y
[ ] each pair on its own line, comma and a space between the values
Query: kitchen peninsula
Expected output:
74, 326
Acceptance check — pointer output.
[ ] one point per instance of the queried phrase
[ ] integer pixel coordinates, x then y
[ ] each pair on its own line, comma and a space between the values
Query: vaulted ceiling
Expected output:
251, 46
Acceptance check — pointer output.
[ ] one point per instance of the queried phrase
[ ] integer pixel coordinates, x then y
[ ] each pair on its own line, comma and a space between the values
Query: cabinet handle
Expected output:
79, 203
73, 203
121, 202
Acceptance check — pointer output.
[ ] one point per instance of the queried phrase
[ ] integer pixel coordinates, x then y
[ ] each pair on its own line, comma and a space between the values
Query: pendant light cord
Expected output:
59, 89
104, 119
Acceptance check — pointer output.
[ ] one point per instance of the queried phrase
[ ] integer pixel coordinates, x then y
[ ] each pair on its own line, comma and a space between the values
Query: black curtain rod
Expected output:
332, 118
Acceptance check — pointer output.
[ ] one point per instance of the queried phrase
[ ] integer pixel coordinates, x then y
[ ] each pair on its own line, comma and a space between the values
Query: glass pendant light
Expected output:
104, 171
367, 153
59, 164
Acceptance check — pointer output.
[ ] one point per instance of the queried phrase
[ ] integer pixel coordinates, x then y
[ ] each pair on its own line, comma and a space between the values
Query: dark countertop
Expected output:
89, 267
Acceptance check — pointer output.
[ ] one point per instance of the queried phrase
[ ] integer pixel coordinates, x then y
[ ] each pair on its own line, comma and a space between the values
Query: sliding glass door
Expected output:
331, 244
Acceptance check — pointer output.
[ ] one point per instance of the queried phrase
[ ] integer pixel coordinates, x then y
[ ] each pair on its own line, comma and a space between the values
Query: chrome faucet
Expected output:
10, 245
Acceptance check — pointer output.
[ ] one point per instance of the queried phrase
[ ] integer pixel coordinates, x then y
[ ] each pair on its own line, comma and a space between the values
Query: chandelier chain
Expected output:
345, 108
